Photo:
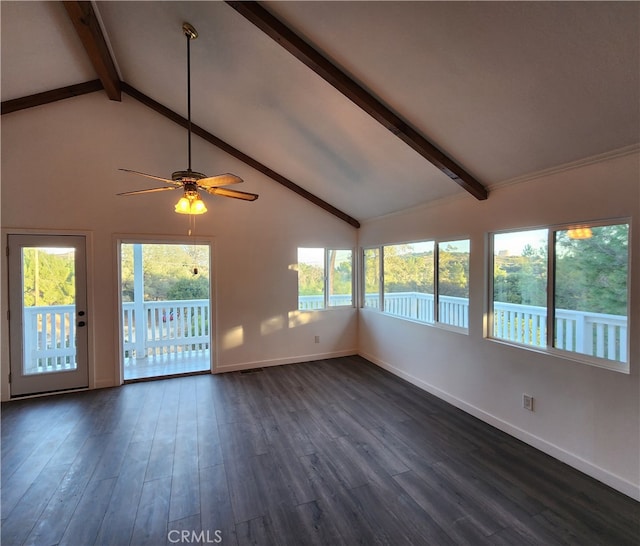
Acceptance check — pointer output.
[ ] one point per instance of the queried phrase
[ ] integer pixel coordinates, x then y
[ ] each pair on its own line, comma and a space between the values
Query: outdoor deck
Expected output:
165, 365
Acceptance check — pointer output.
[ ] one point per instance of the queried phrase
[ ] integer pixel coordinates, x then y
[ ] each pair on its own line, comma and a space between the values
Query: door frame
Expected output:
146, 238
5, 355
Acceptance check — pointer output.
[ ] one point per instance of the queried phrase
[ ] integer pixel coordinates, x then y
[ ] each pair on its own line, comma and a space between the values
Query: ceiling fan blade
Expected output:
219, 180
153, 177
233, 193
150, 190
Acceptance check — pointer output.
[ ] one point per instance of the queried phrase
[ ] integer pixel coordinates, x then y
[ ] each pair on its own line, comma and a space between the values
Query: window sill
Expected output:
614, 366
437, 325
332, 308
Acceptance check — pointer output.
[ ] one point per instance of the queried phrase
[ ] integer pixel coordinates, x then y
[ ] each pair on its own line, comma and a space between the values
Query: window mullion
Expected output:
362, 288
551, 288
381, 276
436, 280
326, 278
490, 326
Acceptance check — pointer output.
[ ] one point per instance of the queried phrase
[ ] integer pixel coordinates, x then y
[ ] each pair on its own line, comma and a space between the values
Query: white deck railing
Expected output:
311, 303
49, 338
594, 334
178, 328
168, 328
453, 311
181, 328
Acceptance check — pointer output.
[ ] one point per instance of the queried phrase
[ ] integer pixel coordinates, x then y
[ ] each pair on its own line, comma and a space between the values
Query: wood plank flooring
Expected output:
335, 452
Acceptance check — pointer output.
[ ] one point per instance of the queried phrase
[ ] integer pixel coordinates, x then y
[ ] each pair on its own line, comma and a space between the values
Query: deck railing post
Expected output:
30, 339
582, 335
139, 312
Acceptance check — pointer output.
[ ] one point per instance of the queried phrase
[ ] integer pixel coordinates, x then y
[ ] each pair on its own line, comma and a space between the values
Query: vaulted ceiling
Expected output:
503, 89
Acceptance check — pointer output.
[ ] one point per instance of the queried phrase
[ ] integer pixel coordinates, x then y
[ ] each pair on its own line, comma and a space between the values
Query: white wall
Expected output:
63, 158
584, 415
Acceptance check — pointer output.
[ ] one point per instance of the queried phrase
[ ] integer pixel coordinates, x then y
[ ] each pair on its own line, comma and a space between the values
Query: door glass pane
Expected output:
48, 310
591, 290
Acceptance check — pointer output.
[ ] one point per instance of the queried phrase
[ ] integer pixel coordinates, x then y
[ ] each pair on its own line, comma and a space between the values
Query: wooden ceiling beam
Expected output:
54, 95
86, 24
14, 105
322, 66
234, 152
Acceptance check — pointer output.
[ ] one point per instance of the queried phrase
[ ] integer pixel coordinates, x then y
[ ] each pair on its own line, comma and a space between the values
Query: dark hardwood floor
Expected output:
330, 452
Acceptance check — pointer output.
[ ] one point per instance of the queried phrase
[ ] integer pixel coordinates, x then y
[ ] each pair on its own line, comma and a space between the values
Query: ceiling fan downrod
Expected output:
191, 181
191, 34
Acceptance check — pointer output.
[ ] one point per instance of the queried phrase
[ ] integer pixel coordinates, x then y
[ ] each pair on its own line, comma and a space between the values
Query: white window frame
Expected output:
436, 322
327, 296
325, 289
436, 288
615, 365
363, 280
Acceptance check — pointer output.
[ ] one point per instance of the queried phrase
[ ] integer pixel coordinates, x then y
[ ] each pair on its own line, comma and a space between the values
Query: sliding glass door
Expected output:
165, 309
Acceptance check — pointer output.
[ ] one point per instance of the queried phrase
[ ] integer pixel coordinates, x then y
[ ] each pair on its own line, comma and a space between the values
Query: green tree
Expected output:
453, 273
164, 265
48, 277
407, 271
592, 274
310, 279
342, 279
521, 279
194, 288
532, 276
372, 271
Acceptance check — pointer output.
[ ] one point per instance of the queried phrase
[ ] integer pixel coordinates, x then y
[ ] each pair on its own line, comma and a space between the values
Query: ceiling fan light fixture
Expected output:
198, 206
190, 204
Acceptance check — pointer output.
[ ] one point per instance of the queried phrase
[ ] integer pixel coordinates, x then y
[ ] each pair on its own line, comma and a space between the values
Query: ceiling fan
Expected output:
191, 181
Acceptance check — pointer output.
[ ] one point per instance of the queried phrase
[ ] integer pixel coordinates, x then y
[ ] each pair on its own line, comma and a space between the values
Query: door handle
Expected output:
82, 323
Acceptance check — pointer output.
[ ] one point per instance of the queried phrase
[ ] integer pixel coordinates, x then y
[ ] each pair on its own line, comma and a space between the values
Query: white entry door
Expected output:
47, 313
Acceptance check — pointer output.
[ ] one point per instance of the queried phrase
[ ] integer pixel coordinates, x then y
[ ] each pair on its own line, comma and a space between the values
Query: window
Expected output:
408, 280
520, 286
453, 283
311, 278
407, 274
316, 288
564, 288
591, 292
340, 279
371, 275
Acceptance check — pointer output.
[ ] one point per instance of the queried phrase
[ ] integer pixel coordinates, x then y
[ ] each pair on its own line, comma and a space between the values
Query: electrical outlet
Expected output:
317, 339
527, 402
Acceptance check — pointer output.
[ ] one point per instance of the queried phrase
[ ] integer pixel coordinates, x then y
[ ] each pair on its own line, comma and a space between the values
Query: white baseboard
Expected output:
612, 480
281, 361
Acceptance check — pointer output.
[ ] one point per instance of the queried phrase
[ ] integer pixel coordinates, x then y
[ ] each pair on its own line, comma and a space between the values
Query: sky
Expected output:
514, 242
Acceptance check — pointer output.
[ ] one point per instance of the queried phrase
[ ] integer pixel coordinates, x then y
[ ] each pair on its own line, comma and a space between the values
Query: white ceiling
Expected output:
506, 89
